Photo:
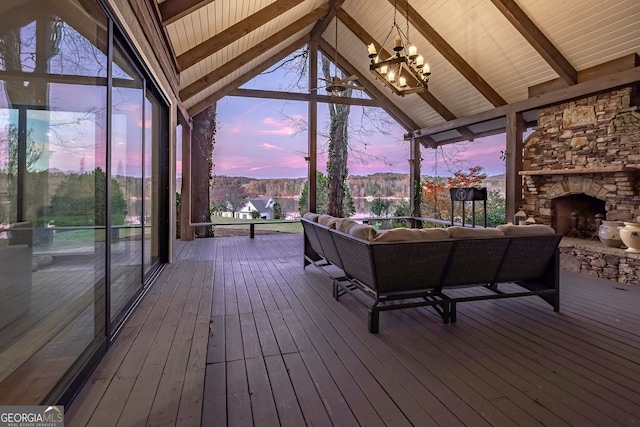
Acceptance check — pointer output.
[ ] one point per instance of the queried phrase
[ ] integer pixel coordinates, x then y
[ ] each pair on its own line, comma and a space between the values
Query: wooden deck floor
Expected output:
237, 333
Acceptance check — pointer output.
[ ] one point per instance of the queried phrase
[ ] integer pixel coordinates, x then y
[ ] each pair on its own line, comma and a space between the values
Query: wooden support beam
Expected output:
538, 40
600, 84
515, 133
438, 42
395, 112
367, 38
234, 32
248, 56
158, 40
172, 10
186, 231
610, 67
298, 96
414, 179
321, 26
263, 66
312, 150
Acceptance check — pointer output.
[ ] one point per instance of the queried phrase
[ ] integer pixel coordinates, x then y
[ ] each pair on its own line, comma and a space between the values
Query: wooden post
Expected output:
313, 126
514, 131
186, 231
414, 179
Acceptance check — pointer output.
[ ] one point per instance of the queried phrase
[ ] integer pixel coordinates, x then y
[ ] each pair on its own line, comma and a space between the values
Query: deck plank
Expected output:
245, 336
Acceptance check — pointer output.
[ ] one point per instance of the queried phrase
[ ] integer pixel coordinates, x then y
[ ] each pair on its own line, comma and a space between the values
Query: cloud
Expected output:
270, 147
281, 128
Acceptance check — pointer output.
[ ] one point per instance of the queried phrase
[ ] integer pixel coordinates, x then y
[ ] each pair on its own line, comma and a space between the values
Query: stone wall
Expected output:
590, 146
606, 263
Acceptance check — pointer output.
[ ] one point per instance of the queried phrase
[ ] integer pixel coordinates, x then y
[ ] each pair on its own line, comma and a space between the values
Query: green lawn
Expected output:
292, 226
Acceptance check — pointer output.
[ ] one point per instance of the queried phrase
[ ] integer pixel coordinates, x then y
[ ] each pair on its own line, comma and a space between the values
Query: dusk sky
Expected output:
258, 138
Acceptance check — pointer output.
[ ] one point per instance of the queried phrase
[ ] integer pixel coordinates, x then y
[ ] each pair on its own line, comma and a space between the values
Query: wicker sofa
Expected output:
404, 268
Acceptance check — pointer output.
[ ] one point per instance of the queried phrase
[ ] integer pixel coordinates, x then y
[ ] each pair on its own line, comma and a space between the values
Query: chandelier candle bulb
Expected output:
420, 61
398, 43
372, 50
426, 69
413, 51
391, 76
383, 70
403, 82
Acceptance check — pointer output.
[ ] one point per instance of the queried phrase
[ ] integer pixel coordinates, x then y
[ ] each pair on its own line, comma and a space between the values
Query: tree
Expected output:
321, 196
435, 193
80, 200
495, 209
277, 210
231, 196
338, 148
203, 141
473, 178
344, 141
380, 207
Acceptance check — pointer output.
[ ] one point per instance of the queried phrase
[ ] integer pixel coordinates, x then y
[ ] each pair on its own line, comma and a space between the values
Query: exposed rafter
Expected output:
262, 66
298, 96
596, 85
538, 40
234, 32
367, 38
260, 48
321, 26
445, 49
172, 10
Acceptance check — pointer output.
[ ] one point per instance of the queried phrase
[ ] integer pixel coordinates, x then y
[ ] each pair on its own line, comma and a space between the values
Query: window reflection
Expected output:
71, 206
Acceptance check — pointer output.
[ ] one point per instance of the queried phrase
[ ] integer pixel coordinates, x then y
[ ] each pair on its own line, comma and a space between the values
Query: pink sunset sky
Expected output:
259, 138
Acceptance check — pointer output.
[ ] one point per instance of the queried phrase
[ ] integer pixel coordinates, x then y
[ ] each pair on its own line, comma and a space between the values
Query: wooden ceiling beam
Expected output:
260, 48
375, 93
580, 90
172, 10
440, 44
254, 71
299, 96
321, 26
234, 32
429, 98
538, 40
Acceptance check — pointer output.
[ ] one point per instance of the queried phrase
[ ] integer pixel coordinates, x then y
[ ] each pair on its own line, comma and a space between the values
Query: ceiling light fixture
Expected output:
404, 72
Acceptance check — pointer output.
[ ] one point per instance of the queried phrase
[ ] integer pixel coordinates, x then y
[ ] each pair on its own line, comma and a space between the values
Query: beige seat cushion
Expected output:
363, 231
311, 216
345, 224
526, 230
327, 220
412, 235
458, 232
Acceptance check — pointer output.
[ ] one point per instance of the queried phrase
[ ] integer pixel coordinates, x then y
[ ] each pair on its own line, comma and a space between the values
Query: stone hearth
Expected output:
581, 150
590, 146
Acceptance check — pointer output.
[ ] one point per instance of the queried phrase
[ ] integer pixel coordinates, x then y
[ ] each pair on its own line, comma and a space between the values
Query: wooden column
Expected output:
313, 126
414, 179
514, 131
186, 231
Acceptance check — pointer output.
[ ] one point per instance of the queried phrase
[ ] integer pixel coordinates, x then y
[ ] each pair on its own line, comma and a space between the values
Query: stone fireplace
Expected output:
584, 158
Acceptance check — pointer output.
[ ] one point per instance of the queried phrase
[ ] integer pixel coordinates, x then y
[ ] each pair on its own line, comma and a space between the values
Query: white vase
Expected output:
609, 234
630, 235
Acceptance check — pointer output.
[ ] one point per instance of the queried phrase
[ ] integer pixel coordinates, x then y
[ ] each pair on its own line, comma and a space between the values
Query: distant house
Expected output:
263, 205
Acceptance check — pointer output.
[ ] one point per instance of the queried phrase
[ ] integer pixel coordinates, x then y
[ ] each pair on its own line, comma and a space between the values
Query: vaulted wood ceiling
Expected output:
485, 55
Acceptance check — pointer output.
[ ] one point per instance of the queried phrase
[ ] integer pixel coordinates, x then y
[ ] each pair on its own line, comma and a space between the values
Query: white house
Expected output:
262, 205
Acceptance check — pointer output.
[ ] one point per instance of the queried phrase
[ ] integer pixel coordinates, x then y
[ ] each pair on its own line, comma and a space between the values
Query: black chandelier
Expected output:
405, 72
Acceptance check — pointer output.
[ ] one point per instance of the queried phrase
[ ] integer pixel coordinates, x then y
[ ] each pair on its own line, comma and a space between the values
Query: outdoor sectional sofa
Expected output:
404, 268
